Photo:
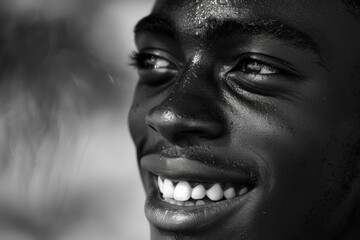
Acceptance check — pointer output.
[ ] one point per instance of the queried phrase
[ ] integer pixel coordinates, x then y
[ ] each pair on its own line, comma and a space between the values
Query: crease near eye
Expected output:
261, 74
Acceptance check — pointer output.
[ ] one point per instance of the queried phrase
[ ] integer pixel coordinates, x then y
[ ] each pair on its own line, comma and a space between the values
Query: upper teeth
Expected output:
198, 192
183, 192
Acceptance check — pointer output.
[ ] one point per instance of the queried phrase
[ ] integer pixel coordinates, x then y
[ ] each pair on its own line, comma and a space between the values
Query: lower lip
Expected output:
166, 216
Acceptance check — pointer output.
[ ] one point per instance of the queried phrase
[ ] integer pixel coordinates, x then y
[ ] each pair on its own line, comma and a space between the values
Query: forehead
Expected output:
327, 23
192, 15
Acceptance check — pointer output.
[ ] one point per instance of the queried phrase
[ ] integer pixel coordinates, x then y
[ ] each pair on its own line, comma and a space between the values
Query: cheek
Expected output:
136, 119
303, 166
144, 100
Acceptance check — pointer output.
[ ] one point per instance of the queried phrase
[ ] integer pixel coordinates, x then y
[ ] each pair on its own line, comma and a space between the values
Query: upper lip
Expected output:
197, 163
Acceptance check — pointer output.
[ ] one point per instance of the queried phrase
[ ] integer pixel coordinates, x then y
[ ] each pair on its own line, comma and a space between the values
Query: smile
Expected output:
185, 194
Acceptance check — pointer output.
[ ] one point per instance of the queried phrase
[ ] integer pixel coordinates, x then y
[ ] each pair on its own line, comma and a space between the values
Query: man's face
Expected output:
254, 104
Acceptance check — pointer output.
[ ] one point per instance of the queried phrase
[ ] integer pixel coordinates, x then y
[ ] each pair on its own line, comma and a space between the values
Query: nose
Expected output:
185, 116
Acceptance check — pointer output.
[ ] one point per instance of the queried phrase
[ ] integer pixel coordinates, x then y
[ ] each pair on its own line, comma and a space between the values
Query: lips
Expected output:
187, 193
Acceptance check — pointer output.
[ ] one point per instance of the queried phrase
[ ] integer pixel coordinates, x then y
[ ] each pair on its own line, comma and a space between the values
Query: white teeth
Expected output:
243, 191
160, 184
229, 193
182, 191
199, 203
168, 189
215, 193
179, 203
182, 194
198, 192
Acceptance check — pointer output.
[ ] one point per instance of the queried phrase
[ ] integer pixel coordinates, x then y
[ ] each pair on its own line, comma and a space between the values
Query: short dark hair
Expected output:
353, 3
354, 7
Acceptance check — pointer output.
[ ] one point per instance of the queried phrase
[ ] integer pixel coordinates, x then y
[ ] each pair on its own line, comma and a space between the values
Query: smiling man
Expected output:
246, 119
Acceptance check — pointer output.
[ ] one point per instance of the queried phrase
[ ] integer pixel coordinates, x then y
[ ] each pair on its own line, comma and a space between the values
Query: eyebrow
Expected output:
156, 24
219, 29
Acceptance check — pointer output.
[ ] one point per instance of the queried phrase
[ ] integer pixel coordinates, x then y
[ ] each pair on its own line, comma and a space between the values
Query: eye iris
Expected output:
259, 68
156, 63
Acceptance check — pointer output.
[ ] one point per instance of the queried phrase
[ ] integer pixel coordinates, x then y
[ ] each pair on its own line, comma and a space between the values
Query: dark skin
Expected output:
267, 89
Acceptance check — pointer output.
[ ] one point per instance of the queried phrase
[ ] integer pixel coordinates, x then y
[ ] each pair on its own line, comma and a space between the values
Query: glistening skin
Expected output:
246, 119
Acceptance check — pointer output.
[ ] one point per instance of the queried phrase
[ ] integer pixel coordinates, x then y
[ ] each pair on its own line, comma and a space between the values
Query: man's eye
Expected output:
156, 63
155, 70
144, 61
261, 74
255, 67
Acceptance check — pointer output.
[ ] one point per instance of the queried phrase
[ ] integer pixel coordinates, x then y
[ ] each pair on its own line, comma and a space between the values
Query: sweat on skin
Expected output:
254, 95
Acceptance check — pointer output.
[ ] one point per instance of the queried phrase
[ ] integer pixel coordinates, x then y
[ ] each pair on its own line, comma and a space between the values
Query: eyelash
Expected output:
138, 60
245, 67
134, 59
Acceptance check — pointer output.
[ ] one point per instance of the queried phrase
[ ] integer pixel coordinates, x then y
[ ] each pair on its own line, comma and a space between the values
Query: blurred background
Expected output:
67, 163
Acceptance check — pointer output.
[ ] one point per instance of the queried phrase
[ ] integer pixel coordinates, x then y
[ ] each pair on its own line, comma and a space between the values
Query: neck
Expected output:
352, 229
352, 225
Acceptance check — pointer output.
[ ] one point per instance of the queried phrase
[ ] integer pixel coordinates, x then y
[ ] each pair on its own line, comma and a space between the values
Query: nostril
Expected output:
152, 127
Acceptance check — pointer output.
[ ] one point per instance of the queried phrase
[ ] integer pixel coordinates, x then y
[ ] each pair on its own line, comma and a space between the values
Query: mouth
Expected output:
188, 195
